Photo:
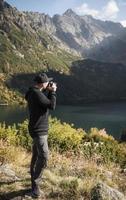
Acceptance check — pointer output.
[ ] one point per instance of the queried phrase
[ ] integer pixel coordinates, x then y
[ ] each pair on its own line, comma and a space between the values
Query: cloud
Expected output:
109, 12
84, 9
123, 22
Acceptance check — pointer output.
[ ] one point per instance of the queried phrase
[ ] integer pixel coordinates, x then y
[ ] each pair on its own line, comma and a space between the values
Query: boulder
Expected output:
8, 173
103, 192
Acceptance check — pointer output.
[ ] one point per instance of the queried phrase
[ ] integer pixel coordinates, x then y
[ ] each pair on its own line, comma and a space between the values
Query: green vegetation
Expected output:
64, 137
7, 95
23, 51
26, 52
78, 161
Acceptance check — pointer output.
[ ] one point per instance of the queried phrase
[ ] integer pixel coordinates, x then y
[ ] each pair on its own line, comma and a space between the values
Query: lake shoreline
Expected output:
111, 116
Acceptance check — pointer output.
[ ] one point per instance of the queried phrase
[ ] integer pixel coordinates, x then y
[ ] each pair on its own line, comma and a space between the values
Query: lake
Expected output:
111, 116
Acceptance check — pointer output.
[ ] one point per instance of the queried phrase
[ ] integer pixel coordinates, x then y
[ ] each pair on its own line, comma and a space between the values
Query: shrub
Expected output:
63, 136
70, 189
8, 134
100, 135
16, 136
105, 152
23, 136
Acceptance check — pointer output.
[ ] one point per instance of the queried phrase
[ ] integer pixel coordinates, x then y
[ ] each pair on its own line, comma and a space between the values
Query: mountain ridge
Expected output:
77, 35
31, 42
80, 35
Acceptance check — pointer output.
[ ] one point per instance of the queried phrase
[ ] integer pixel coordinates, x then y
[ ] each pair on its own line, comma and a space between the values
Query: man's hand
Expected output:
53, 88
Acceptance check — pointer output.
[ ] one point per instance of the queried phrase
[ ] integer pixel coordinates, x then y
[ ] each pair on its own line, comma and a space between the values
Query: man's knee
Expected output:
43, 147
43, 158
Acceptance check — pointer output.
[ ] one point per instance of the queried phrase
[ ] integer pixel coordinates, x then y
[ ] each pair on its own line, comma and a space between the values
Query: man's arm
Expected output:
46, 102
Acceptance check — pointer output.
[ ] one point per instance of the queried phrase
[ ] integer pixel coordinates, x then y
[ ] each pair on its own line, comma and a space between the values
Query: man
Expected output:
39, 105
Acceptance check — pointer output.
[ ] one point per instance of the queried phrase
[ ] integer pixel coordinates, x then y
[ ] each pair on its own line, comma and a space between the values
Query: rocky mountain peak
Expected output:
88, 17
4, 4
69, 13
79, 35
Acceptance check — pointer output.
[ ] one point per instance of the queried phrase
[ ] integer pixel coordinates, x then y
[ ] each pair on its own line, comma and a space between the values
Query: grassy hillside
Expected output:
24, 51
7, 95
21, 52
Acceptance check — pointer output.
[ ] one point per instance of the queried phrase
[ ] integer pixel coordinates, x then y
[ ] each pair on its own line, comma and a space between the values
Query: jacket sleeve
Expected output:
45, 101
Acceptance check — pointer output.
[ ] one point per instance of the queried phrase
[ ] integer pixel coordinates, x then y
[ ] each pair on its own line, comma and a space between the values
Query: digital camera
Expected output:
50, 84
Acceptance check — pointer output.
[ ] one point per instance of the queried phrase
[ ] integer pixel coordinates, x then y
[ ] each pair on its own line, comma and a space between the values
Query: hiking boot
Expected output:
37, 194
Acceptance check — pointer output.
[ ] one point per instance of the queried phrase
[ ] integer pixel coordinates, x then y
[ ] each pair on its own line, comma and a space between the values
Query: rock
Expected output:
6, 169
4, 5
103, 192
17, 53
1, 5
108, 174
8, 172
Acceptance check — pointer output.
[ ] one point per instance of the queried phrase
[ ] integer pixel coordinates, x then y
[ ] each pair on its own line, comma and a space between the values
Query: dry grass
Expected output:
68, 176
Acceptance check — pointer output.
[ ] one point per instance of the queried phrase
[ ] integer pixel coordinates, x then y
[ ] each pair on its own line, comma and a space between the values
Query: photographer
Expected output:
39, 105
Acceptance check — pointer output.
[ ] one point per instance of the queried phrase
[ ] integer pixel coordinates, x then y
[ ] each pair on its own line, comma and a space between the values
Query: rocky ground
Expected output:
68, 176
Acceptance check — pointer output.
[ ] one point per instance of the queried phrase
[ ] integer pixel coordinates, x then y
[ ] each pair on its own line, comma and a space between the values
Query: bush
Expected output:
23, 136
100, 135
70, 189
16, 136
8, 134
63, 136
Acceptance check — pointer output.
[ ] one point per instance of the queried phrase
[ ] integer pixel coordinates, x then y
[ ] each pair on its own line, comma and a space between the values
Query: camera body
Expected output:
50, 84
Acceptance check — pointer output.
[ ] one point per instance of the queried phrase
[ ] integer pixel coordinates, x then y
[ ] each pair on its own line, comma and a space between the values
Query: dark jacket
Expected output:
39, 105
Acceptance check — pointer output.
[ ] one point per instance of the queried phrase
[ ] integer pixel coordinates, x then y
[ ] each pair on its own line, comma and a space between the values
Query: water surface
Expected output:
111, 116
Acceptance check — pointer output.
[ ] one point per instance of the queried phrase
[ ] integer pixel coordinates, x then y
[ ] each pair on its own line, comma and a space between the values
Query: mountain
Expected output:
88, 81
111, 49
81, 35
63, 45
24, 49
32, 41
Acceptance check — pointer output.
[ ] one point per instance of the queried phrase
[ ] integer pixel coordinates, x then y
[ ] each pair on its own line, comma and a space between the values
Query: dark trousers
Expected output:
39, 160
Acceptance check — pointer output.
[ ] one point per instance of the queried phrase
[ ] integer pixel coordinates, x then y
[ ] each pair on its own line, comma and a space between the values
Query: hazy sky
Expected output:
114, 10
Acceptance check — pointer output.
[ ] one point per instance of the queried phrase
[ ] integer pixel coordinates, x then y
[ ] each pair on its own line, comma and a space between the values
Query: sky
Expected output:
112, 10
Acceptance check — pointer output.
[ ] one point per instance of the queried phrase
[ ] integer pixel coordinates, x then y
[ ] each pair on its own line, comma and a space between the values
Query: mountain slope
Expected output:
33, 41
22, 49
88, 81
77, 34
